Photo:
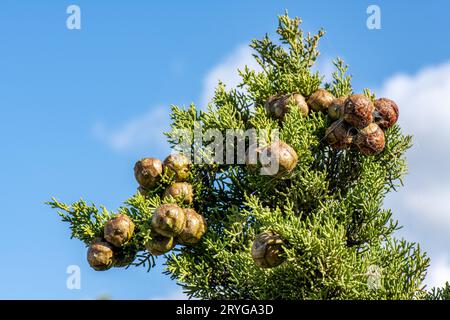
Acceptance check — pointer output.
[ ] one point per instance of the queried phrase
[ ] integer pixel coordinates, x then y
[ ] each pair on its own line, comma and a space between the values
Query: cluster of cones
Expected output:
107, 252
170, 224
359, 121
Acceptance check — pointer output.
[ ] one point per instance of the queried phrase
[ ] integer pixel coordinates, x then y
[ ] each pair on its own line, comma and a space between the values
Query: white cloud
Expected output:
423, 207
226, 71
439, 271
140, 133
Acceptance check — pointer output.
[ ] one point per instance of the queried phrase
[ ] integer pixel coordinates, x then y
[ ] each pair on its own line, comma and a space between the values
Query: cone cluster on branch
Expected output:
171, 224
108, 251
358, 120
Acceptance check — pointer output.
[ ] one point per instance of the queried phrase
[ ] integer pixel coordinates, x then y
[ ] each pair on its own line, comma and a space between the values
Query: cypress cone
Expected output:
118, 230
100, 255
168, 220
181, 192
277, 107
340, 135
320, 100
336, 108
284, 155
148, 172
267, 249
370, 140
123, 258
358, 111
177, 166
194, 228
159, 244
386, 113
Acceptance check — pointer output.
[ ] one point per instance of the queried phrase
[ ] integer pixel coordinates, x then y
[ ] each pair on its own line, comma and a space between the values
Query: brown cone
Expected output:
100, 256
358, 111
386, 113
320, 100
194, 228
266, 250
336, 108
277, 107
283, 154
181, 192
118, 230
178, 166
123, 258
168, 220
148, 172
370, 140
340, 135
159, 244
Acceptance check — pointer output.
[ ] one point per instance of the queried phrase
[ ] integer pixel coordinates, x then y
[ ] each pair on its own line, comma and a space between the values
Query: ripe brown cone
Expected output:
118, 230
181, 192
178, 166
148, 171
267, 249
123, 258
320, 100
100, 255
168, 220
336, 108
340, 135
282, 153
159, 244
370, 140
277, 107
358, 111
194, 228
386, 113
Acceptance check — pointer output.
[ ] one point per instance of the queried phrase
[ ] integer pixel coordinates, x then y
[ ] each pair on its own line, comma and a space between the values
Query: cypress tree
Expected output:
315, 230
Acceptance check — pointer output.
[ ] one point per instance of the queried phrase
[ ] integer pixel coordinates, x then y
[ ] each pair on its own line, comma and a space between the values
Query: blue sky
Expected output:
78, 107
